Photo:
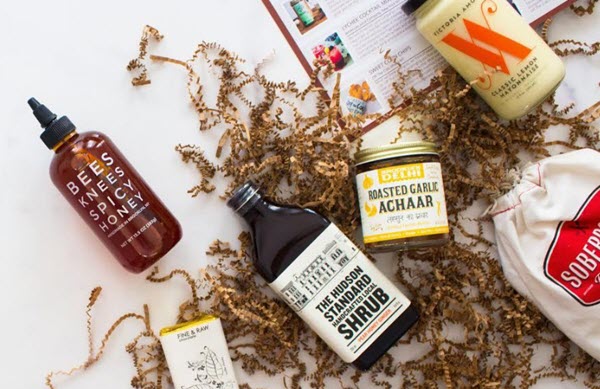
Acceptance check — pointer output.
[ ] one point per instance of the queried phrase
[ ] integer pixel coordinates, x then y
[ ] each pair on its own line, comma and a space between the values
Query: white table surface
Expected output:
72, 55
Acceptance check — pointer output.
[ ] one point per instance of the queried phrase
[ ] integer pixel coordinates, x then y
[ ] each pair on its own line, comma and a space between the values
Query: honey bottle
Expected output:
107, 192
325, 278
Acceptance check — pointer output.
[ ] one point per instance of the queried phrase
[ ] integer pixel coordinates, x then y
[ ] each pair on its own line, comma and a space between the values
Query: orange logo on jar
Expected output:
491, 38
401, 173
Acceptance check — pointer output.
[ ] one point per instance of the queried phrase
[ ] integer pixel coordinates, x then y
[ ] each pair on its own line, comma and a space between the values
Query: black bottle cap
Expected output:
55, 130
412, 5
244, 197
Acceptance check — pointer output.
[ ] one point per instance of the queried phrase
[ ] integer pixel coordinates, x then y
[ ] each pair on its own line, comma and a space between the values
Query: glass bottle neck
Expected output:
257, 210
65, 141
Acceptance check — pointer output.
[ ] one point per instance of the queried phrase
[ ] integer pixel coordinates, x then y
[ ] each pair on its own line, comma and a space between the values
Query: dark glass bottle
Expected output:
325, 278
108, 193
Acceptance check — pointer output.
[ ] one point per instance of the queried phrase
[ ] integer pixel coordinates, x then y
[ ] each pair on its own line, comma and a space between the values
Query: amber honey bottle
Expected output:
325, 278
107, 192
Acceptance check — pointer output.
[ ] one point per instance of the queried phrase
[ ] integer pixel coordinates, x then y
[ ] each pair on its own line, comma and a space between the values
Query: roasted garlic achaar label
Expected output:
402, 201
342, 296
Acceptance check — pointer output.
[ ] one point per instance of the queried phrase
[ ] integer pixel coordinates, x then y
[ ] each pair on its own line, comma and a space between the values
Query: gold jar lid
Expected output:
404, 149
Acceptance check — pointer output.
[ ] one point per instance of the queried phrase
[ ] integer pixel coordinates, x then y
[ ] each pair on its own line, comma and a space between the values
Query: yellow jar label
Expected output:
403, 201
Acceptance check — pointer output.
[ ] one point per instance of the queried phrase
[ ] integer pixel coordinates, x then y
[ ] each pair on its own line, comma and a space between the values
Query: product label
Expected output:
109, 197
573, 260
487, 41
402, 201
342, 296
198, 357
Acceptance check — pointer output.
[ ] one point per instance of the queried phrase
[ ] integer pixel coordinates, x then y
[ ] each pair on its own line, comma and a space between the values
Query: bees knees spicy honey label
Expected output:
402, 201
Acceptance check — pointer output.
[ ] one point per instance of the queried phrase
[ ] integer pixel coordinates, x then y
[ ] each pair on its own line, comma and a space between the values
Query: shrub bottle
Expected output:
325, 278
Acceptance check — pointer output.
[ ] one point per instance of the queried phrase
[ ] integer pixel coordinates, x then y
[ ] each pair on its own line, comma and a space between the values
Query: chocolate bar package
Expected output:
198, 356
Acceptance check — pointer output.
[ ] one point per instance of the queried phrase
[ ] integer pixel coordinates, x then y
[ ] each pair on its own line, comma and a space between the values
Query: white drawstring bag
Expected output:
548, 236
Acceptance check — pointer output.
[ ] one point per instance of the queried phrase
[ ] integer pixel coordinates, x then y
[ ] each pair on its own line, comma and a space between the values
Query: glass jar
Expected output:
489, 42
401, 197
